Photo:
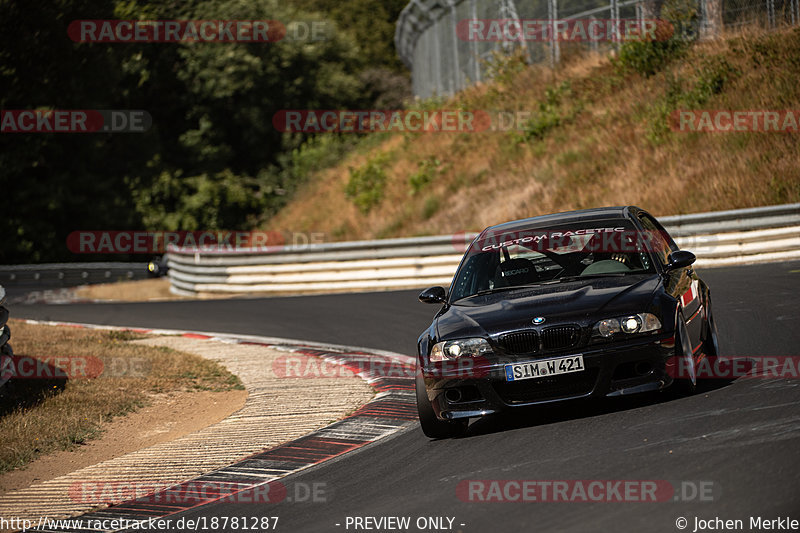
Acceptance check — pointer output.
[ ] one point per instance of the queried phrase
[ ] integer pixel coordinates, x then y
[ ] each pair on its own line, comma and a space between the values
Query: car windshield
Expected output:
506, 259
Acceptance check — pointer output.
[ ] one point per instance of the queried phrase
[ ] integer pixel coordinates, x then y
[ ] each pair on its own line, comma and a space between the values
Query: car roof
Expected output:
583, 215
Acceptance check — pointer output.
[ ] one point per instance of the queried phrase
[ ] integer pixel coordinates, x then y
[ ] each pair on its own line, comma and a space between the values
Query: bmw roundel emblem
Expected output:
538, 320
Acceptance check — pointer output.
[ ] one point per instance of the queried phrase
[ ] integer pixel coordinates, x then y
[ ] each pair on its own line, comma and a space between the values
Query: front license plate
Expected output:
548, 367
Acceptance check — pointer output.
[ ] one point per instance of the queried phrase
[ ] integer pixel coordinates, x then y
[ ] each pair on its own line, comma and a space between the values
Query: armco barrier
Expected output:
718, 239
69, 274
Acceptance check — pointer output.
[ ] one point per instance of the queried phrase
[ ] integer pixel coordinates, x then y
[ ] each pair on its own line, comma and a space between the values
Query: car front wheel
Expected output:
431, 425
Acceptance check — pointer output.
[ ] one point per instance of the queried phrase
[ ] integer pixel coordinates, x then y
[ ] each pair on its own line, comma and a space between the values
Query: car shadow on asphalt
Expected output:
579, 409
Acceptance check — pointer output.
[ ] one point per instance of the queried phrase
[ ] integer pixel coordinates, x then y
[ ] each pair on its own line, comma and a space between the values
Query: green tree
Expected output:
212, 158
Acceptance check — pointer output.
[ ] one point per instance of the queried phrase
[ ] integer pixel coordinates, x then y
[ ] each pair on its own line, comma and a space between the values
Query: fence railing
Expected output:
718, 239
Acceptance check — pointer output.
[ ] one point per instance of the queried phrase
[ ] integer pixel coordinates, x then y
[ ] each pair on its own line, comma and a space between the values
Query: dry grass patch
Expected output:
129, 291
600, 136
38, 416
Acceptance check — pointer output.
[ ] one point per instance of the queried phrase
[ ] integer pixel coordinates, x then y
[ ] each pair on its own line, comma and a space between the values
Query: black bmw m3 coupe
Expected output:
593, 303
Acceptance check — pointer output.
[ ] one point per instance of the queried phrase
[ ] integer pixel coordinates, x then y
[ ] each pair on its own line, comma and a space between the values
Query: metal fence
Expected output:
722, 238
429, 34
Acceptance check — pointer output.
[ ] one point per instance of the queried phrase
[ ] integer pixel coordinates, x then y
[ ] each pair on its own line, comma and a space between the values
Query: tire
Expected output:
432, 426
5, 352
683, 355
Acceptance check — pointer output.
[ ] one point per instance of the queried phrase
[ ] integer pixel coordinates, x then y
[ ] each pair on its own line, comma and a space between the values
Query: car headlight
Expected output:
631, 324
607, 327
459, 348
641, 323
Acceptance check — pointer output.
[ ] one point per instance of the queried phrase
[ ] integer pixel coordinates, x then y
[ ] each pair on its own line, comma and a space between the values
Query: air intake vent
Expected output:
520, 342
560, 337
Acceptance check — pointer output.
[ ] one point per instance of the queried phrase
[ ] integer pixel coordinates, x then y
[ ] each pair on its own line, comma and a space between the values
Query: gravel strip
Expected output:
277, 410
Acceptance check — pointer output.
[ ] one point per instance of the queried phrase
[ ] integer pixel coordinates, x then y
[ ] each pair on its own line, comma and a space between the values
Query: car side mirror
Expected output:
680, 259
433, 295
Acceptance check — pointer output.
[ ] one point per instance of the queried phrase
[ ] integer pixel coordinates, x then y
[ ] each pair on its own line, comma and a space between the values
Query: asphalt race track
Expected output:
732, 450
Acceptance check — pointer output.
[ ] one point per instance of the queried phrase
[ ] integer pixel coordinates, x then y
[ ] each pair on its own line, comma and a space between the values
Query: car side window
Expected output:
659, 241
664, 233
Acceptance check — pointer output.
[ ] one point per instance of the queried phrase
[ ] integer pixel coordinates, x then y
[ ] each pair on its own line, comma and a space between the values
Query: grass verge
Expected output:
38, 416
598, 134
129, 291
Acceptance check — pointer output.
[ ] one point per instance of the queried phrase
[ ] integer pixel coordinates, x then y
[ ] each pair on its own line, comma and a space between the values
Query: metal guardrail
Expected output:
718, 239
70, 274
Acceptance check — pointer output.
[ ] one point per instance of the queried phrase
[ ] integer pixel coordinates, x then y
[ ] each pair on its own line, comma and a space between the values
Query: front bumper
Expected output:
612, 369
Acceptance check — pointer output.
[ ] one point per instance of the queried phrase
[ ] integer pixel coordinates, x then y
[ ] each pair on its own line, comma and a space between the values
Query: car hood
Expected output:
573, 301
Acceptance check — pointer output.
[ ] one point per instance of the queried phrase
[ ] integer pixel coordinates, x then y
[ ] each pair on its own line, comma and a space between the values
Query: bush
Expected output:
430, 207
428, 170
711, 77
220, 200
366, 184
676, 29
549, 115
503, 67
314, 155
648, 57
